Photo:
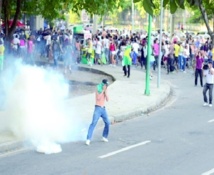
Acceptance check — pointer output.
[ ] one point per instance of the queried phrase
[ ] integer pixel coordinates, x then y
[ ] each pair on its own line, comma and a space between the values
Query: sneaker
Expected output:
87, 142
205, 104
210, 105
104, 139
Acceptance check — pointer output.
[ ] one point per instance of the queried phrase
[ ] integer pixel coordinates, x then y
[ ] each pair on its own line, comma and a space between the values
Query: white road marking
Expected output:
209, 172
124, 149
210, 121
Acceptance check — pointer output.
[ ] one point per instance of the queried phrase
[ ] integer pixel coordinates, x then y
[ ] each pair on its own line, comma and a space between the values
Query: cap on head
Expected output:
105, 82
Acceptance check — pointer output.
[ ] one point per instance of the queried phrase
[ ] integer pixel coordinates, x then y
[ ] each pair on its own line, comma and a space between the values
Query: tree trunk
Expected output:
9, 30
205, 18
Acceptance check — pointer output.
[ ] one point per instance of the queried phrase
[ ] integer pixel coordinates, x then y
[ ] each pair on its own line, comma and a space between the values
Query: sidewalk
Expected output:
127, 99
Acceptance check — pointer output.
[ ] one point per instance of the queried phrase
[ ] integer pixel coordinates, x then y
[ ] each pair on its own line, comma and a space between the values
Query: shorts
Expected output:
113, 52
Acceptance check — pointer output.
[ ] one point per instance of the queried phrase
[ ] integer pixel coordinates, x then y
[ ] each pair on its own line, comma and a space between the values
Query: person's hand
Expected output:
105, 88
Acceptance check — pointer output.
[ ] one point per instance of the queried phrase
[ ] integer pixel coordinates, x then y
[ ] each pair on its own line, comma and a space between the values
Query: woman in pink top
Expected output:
30, 47
112, 48
22, 47
155, 48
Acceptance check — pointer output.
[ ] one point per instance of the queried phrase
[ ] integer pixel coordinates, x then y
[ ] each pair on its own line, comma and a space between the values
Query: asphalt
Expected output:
127, 100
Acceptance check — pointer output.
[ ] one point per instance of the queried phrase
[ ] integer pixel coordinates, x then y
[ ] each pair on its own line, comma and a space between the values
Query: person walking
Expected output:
56, 50
198, 68
127, 61
112, 48
89, 52
209, 84
100, 111
155, 48
30, 51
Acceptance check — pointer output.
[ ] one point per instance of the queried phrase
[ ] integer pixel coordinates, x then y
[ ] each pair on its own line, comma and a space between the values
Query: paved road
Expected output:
175, 140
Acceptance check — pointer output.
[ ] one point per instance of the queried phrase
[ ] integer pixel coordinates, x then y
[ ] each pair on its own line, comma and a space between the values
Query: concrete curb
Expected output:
10, 146
142, 111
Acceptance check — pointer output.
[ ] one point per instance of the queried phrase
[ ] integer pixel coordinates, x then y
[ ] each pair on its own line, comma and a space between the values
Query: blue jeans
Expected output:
180, 60
99, 112
134, 58
107, 54
55, 57
206, 88
183, 67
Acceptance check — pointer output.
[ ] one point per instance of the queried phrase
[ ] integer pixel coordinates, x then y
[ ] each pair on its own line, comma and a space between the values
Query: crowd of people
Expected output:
111, 48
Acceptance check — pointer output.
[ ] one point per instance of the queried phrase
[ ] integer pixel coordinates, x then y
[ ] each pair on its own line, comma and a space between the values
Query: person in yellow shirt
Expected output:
89, 52
2, 48
176, 53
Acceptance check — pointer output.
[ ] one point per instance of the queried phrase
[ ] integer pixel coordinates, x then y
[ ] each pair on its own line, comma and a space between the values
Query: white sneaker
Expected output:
87, 142
205, 104
210, 105
104, 139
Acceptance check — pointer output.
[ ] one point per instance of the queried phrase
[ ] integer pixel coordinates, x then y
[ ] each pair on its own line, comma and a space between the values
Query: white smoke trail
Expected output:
35, 107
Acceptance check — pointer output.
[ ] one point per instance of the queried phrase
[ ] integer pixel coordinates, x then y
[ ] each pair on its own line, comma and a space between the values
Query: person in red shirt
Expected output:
112, 48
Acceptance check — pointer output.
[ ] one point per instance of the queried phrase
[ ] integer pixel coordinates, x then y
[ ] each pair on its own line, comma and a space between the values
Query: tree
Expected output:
13, 9
205, 7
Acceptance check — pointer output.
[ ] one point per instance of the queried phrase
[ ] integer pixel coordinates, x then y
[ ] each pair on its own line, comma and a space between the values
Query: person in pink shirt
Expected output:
112, 48
30, 48
155, 48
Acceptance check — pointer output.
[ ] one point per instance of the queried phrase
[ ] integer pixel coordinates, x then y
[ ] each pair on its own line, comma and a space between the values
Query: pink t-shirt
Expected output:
112, 47
155, 49
30, 46
22, 42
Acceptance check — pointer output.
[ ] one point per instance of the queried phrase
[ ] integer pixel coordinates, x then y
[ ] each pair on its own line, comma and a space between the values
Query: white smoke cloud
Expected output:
35, 110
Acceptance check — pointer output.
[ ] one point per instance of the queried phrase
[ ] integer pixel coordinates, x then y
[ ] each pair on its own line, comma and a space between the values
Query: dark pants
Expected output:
210, 88
198, 72
155, 64
169, 64
126, 70
143, 61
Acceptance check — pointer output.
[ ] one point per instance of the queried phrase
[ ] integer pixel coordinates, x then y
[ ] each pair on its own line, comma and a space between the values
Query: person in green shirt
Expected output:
127, 60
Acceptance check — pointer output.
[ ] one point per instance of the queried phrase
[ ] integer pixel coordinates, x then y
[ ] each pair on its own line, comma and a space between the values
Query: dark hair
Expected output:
105, 81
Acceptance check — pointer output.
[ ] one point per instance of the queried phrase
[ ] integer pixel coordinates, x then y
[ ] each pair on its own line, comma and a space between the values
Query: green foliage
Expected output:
150, 6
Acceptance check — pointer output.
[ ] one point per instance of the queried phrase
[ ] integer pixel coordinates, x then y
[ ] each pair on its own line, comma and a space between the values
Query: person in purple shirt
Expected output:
199, 68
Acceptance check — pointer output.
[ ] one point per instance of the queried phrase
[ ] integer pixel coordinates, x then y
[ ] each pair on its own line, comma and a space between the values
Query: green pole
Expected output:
147, 90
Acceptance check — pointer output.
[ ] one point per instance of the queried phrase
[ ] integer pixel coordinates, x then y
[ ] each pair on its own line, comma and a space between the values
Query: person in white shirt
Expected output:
135, 47
48, 48
15, 45
185, 57
166, 53
106, 49
209, 84
98, 51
